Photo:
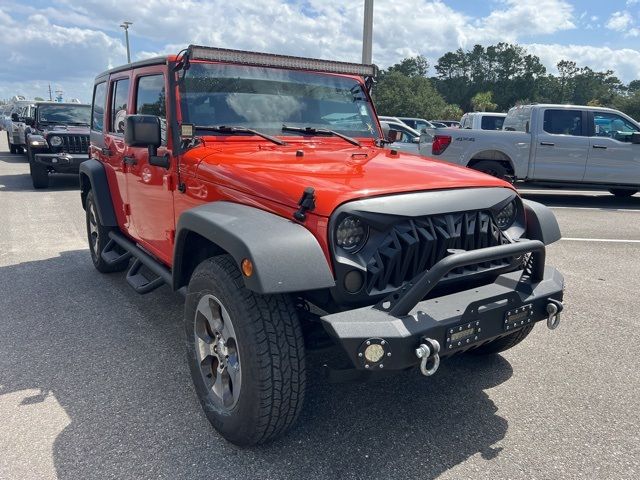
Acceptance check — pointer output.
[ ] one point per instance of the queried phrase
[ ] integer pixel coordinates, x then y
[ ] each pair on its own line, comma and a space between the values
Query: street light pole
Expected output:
125, 25
367, 33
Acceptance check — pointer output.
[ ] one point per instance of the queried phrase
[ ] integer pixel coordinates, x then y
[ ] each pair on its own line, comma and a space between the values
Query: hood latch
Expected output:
307, 202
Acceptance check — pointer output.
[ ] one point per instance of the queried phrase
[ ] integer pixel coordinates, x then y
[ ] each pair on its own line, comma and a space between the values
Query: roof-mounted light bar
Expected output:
196, 52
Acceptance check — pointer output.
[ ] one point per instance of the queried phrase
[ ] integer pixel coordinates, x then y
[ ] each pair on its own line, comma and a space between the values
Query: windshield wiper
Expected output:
234, 130
320, 131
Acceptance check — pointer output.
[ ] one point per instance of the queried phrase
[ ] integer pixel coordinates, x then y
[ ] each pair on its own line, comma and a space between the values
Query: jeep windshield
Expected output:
64, 114
265, 99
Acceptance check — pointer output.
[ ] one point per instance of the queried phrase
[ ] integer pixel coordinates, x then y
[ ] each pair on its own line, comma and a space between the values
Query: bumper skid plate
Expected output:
376, 338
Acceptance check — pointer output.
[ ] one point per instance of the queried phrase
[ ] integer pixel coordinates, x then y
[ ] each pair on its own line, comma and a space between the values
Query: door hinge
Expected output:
172, 236
127, 209
170, 182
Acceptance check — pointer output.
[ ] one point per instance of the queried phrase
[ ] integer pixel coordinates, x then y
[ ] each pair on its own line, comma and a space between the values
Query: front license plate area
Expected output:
518, 317
462, 335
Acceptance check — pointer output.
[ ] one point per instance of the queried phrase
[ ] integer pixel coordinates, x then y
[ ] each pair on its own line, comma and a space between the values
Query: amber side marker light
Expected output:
247, 267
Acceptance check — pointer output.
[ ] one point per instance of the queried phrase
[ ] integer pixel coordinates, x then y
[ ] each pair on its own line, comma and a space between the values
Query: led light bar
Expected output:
196, 52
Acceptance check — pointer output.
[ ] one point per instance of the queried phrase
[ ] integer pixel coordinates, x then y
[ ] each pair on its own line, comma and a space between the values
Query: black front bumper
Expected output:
458, 321
62, 162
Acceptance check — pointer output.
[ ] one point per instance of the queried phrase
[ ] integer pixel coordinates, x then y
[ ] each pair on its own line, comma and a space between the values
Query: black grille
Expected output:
75, 143
415, 245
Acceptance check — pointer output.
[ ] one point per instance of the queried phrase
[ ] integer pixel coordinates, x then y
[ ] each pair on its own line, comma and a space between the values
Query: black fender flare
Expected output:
286, 256
94, 177
541, 223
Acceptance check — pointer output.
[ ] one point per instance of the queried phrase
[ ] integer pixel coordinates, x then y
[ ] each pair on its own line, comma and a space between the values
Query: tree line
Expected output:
495, 78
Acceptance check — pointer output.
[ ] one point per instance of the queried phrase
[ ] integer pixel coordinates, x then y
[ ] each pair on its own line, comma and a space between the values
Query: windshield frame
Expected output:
42, 107
275, 128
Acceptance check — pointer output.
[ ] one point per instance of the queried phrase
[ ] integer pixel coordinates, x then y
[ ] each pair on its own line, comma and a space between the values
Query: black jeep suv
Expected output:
57, 139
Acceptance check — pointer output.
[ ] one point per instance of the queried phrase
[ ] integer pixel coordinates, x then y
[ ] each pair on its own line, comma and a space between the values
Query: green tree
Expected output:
411, 67
38, 99
397, 94
450, 112
483, 102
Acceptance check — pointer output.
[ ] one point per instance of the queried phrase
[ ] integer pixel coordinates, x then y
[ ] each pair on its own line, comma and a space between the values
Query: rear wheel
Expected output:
246, 354
39, 175
623, 192
503, 343
98, 236
493, 168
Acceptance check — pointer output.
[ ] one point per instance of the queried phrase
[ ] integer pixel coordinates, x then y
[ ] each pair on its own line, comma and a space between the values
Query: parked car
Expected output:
57, 139
483, 120
15, 126
419, 124
407, 139
289, 225
447, 123
560, 144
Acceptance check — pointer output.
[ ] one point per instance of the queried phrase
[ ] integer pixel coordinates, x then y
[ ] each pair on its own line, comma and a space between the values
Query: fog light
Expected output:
374, 353
353, 281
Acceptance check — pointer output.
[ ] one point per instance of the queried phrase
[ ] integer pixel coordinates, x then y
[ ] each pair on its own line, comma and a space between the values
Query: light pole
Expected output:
367, 32
125, 25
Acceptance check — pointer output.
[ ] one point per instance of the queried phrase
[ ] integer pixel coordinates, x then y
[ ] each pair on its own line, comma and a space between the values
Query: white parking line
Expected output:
610, 240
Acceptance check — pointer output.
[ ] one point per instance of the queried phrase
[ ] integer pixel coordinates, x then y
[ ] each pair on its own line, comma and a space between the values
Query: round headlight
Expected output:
55, 141
506, 216
351, 234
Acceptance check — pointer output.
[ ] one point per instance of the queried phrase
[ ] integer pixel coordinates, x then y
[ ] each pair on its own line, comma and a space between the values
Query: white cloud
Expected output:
624, 62
619, 21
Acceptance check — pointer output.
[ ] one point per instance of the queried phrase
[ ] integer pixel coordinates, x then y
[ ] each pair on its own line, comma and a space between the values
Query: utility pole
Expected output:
367, 33
125, 25
50, 96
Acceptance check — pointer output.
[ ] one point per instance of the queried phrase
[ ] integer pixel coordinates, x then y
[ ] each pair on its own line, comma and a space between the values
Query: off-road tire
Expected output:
13, 148
622, 192
503, 343
101, 239
270, 346
39, 175
495, 169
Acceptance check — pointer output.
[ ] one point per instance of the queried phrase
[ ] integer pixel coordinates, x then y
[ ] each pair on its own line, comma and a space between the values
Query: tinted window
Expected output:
517, 119
150, 97
491, 123
563, 122
99, 101
119, 100
613, 126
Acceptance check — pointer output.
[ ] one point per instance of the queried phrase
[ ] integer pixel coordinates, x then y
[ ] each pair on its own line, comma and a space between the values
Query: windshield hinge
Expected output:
307, 202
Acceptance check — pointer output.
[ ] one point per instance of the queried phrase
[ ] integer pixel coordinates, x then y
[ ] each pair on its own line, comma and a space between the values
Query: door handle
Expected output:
129, 160
600, 146
548, 144
105, 151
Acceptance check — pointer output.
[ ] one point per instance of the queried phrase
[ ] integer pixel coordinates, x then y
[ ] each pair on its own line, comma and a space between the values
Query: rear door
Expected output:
561, 145
150, 188
612, 157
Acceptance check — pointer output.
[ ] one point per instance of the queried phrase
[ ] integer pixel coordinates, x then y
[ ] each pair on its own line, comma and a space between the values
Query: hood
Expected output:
337, 171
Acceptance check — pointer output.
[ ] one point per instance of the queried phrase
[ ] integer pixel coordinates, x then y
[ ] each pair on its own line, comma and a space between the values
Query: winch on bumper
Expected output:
403, 330
61, 162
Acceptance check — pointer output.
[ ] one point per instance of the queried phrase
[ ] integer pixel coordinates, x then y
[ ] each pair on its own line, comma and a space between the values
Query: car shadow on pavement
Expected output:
114, 361
22, 181
603, 200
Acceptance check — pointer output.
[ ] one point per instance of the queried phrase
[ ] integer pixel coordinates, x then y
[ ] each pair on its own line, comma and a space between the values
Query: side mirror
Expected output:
393, 135
14, 117
635, 138
143, 131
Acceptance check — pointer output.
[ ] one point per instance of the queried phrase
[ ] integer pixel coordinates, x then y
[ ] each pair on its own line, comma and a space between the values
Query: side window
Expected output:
613, 126
97, 110
563, 122
119, 99
151, 100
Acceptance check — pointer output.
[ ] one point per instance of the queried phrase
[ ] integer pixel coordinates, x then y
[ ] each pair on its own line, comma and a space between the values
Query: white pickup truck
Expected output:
562, 144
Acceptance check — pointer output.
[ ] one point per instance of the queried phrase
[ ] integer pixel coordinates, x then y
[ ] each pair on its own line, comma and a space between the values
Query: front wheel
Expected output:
13, 148
246, 354
39, 175
623, 192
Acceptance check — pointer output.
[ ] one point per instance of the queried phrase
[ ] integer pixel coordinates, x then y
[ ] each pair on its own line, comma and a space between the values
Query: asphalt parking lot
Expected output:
94, 381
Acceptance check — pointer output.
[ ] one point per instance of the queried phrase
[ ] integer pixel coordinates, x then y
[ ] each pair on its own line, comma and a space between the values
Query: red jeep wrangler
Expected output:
262, 187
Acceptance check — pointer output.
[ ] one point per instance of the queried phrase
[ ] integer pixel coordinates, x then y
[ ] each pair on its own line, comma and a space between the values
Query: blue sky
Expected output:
67, 42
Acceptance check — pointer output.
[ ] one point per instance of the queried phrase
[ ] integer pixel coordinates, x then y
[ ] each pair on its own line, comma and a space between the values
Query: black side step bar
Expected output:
135, 275
111, 255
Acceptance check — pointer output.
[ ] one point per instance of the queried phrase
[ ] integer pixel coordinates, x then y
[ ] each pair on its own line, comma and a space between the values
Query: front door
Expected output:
612, 156
150, 188
561, 146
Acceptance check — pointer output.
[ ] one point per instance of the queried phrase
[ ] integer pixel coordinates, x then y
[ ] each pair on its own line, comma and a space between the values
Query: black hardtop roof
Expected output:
130, 66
